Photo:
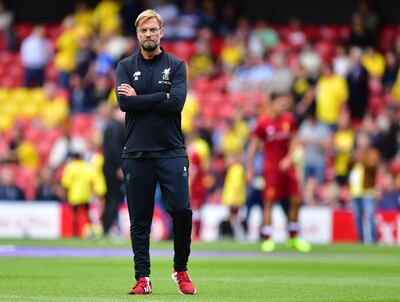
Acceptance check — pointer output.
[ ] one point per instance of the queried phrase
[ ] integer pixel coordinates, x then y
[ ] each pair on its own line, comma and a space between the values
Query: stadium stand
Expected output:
224, 78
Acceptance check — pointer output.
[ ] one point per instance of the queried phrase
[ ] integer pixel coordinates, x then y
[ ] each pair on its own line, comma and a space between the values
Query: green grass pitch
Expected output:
341, 273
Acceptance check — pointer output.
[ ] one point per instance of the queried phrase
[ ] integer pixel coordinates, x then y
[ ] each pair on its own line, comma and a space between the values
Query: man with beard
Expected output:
151, 89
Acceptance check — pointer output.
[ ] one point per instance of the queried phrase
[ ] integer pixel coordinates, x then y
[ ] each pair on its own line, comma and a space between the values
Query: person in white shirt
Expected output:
36, 52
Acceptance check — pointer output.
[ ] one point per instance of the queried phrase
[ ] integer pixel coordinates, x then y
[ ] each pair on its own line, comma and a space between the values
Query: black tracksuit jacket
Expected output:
153, 121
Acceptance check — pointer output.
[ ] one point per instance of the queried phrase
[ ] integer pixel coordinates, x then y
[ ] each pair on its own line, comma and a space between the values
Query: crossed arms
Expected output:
158, 102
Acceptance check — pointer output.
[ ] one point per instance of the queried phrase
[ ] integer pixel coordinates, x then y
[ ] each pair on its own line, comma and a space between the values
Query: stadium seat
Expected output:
51, 73
330, 33
376, 104
7, 58
22, 30
386, 37
82, 125
25, 178
183, 49
201, 84
313, 33
53, 31
344, 32
375, 86
326, 50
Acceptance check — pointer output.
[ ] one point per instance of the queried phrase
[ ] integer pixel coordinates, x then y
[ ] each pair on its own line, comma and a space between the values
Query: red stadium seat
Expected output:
313, 33
184, 49
330, 33
51, 73
33, 134
344, 32
82, 125
376, 104
16, 72
375, 86
3, 43
53, 31
23, 30
7, 58
201, 84
25, 178
326, 50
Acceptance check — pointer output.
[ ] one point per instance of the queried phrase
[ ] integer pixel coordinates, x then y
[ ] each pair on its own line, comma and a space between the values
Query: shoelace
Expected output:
141, 283
182, 277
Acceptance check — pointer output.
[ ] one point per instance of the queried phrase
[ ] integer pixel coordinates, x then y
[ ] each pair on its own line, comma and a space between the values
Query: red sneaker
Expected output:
142, 287
186, 286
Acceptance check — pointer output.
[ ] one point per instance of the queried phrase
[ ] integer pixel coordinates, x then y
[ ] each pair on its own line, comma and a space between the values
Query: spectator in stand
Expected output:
23, 151
310, 61
210, 18
342, 62
234, 193
304, 92
202, 62
48, 189
9, 191
357, 81
369, 17
56, 111
314, 136
99, 92
390, 190
232, 52
83, 15
85, 56
374, 62
104, 64
253, 75
6, 26
296, 36
78, 94
386, 133
283, 78
189, 113
262, 39
362, 181
228, 20
391, 71
332, 94
35, 55
77, 179
113, 142
169, 11
234, 136
67, 47
189, 21
254, 196
360, 36
106, 17
130, 9
64, 146
343, 143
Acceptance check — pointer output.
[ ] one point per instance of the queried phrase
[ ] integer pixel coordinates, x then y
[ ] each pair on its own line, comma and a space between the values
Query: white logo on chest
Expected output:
136, 75
165, 73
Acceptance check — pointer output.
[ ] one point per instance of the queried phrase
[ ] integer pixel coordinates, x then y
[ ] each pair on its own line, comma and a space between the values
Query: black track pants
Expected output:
141, 177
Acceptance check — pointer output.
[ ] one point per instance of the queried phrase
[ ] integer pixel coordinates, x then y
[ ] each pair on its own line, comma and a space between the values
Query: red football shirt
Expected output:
196, 189
276, 135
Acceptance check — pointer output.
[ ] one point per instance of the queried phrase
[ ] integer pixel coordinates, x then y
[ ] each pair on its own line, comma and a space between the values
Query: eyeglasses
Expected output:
143, 31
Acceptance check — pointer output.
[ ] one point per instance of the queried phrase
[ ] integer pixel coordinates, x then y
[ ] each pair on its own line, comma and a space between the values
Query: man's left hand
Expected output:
126, 89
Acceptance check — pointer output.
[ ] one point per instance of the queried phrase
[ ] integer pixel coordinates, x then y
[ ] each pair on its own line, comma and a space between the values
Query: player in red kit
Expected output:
196, 183
276, 133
